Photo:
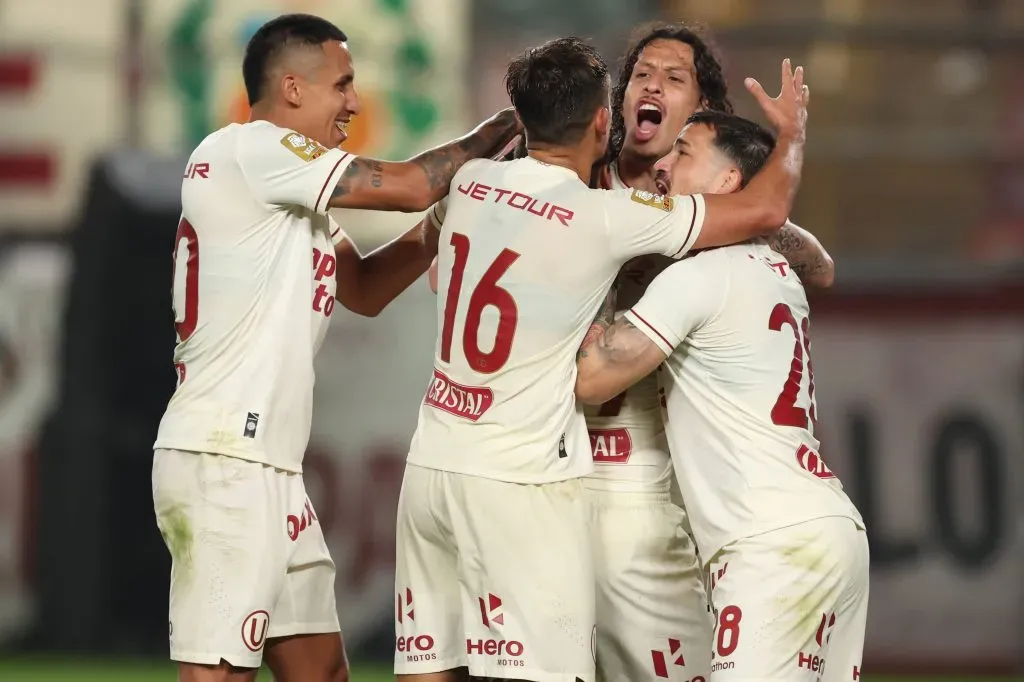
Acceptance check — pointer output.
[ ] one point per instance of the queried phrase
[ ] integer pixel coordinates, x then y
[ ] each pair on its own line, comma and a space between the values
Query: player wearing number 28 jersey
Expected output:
254, 286
493, 547
786, 548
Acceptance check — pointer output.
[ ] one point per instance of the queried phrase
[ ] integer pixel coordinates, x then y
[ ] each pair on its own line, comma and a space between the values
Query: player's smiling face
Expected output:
696, 166
661, 94
330, 96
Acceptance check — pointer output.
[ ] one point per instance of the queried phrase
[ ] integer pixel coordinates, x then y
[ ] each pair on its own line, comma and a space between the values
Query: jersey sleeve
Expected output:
641, 223
437, 212
337, 234
285, 168
681, 299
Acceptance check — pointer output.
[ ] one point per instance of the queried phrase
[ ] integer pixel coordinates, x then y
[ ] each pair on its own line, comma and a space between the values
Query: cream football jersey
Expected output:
527, 252
627, 434
740, 406
254, 288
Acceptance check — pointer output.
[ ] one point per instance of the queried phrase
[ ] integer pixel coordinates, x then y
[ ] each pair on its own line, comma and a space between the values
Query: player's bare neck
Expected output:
573, 159
267, 111
636, 171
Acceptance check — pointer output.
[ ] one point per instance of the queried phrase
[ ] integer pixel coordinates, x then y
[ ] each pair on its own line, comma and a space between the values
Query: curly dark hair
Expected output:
714, 92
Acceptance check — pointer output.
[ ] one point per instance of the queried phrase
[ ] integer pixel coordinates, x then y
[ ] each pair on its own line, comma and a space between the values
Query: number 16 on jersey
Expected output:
486, 292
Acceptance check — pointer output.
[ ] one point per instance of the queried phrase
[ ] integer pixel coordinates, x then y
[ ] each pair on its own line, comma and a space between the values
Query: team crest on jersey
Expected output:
653, 200
303, 147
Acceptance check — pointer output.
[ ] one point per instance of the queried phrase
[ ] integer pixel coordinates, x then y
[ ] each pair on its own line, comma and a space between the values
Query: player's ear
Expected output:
602, 125
729, 180
291, 90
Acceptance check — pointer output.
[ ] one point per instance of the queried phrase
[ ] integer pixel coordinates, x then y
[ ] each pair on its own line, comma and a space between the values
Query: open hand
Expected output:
788, 112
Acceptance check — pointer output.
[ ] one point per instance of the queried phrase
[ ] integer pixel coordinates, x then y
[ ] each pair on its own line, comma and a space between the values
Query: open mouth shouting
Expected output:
649, 114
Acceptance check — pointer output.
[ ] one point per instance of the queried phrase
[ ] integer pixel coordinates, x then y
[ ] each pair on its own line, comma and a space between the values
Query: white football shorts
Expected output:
791, 604
653, 620
248, 558
495, 576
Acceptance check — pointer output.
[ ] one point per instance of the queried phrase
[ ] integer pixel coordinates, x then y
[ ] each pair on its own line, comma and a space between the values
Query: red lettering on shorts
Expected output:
297, 524
468, 402
495, 647
421, 643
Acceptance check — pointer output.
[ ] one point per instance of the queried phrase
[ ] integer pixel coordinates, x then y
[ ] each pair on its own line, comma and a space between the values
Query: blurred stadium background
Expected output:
914, 181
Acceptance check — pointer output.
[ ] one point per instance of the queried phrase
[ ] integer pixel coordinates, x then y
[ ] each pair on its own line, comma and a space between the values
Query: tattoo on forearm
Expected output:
605, 318
439, 164
357, 174
805, 259
618, 341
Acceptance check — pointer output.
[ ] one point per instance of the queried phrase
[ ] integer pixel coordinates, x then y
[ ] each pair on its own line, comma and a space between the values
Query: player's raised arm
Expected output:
765, 203
615, 355
415, 184
805, 254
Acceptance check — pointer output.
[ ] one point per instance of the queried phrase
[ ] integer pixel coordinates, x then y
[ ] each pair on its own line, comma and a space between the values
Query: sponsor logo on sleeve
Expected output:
658, 201
303, 147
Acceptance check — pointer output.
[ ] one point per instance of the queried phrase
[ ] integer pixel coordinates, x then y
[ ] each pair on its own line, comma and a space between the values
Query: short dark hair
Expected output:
714, 91
557, 88
746, 143
276, 37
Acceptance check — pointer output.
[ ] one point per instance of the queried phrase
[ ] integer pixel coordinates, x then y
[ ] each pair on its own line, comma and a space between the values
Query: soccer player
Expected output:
786, 549
254, 287
652, 615
493, 570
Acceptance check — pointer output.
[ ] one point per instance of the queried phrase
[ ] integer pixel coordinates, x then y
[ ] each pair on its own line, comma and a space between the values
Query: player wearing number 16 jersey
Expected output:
493, 552
786, 549
254, 287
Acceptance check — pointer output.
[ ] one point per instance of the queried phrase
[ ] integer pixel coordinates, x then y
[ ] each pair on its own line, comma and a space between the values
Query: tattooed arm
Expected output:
612, 358
805, 254
682, 299
605, 318
415, 184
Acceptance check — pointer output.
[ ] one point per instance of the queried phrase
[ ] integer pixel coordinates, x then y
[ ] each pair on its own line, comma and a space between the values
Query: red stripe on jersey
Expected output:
316, 206
651, 327
693, 222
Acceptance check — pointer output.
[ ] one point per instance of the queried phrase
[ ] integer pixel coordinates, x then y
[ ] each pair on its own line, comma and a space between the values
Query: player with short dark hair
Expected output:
493, 546
786, 549
652, 609
258, 264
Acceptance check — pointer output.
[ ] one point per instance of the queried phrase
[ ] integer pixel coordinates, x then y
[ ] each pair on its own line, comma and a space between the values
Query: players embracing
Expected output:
653, 620
785, 548
494, 559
